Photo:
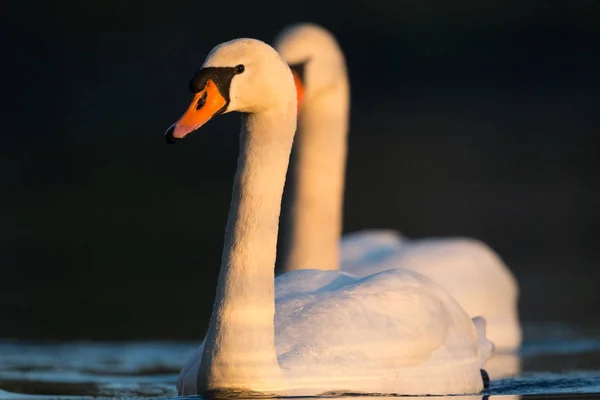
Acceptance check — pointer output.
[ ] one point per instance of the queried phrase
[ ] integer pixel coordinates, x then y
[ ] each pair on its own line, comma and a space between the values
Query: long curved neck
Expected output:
313, 217
240, 347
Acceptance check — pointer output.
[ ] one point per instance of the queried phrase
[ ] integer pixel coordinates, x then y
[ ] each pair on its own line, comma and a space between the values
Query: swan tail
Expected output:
486, 346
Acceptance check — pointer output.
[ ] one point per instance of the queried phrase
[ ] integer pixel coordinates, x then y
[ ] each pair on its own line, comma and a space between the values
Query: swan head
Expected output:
314, 56
244, 75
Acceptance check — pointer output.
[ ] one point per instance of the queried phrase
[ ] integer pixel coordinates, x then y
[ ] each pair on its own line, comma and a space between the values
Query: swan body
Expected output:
468, 269
323, 320
308, 332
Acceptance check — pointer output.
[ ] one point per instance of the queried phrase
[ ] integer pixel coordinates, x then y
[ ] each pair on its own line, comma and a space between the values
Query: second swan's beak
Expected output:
299, 89
206, 104
298, 72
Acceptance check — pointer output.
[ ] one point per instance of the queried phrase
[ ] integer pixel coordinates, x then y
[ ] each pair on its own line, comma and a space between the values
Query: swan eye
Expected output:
240, 68
201, 101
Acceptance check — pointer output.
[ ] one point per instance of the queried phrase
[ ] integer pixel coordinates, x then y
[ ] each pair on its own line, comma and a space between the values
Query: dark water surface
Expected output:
555, 361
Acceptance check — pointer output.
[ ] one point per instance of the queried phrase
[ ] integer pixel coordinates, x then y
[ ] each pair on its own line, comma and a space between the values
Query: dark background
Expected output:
468, 118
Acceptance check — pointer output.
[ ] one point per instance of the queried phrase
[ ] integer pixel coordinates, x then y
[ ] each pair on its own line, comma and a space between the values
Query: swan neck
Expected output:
314, 210
240, 347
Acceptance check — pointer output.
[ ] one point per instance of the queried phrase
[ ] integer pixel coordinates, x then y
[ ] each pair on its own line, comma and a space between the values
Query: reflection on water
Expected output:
555, 364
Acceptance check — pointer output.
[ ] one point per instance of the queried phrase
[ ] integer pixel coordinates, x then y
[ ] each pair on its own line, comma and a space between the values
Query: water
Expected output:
554, 362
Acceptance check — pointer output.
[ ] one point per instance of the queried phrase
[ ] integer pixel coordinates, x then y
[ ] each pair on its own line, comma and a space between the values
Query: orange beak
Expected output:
204, 106
299, 89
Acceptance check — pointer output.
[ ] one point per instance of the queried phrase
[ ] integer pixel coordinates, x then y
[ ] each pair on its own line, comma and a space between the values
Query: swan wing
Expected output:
388, 320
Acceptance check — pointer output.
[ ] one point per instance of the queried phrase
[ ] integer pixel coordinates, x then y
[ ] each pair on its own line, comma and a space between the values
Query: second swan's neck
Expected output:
313, 216
240, 349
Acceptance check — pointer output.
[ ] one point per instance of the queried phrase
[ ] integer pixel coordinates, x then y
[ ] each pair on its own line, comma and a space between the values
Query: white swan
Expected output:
309, 332
468, 269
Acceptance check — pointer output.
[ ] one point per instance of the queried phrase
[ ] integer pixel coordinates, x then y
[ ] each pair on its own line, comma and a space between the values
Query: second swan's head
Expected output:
315, 58
245, 75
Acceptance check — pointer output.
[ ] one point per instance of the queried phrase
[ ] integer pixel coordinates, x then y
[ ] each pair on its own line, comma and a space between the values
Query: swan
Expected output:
467, 269
308, 332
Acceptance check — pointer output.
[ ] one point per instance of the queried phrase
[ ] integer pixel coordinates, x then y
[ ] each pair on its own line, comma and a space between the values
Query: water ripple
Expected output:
556, 366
